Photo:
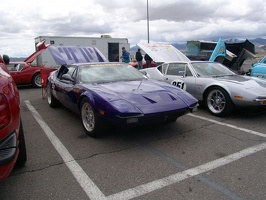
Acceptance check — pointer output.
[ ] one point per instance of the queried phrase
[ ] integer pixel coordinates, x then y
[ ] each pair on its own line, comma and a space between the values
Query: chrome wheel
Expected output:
37, 80
218, 102
87, 117
52, 101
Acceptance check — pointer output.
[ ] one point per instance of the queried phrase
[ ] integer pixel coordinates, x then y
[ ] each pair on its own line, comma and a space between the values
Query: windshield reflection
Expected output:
108, 73
211, 69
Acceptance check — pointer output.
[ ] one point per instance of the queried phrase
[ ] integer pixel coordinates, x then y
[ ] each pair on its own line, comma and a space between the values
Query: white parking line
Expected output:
175, 178
228, 125
93, 192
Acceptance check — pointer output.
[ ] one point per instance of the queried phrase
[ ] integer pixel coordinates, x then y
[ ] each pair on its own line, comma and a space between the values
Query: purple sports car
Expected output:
108, 93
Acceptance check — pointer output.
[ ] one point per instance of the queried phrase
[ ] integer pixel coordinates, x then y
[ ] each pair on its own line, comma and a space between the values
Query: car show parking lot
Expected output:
197, 157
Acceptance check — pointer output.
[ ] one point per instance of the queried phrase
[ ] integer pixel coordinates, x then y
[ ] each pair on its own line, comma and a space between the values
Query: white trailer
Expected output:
110, 47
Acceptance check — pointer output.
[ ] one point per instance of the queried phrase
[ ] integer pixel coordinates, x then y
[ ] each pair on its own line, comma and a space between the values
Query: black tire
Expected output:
22, 156
218, 102
37, 80
92, 124
52, 101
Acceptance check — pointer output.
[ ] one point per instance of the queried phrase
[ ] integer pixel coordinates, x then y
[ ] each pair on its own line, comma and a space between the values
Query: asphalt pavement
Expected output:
197, 157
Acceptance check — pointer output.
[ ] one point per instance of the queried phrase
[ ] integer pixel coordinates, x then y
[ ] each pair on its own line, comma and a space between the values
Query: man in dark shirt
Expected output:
139, 58
148, 60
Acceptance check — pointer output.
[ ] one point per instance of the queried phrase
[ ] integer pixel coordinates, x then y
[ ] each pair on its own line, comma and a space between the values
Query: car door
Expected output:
67, 94
180, 75
18, 73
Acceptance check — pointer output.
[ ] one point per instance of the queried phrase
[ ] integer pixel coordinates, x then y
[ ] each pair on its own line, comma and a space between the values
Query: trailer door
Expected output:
113, 52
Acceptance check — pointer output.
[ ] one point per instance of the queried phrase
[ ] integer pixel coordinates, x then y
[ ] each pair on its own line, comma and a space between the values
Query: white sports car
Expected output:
219, 88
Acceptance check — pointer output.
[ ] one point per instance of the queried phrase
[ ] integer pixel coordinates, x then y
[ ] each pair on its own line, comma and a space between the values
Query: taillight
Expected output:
4, 112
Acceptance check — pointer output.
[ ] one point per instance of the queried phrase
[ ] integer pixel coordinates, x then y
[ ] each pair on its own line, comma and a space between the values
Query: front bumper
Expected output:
194, 108
153, 118
260, 101
8, 154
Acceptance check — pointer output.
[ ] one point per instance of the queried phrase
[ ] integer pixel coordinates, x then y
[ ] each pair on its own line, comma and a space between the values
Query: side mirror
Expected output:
182, 73
67, 77
143, 72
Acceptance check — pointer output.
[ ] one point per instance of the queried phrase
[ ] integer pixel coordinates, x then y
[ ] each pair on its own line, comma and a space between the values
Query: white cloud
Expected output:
170, 20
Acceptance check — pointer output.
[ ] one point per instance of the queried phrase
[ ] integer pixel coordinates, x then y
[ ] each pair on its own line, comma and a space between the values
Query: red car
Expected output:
134, 63
26, 73
12, 143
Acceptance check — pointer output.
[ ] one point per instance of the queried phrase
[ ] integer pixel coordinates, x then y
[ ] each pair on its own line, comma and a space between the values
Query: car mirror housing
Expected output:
67, 77
182, 73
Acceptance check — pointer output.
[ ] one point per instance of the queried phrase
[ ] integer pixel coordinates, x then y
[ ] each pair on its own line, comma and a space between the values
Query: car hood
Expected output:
249, 83
162, 52
147, 96
258, 65
41, 46
75, 54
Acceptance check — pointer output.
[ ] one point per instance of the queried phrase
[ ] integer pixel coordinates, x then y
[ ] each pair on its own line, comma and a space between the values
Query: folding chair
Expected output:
45, 72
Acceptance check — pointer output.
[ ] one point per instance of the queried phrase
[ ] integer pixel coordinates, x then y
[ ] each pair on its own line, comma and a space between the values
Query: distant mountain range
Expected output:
17, 59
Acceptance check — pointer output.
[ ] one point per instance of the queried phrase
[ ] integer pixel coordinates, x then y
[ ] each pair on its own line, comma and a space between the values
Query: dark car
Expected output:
12, 142
134, 63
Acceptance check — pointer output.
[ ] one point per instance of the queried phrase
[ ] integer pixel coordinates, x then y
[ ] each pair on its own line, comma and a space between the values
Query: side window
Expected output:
164, 66
63, 70
188, 72
20, 67
176, 69
72, 71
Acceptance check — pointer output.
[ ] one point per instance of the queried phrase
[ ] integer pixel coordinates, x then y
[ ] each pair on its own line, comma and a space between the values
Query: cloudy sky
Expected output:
173, 21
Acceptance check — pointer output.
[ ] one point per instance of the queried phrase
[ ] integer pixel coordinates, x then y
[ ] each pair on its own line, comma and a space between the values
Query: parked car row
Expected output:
108, 94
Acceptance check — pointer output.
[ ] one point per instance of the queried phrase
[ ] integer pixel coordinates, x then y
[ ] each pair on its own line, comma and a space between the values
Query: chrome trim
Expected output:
259, 100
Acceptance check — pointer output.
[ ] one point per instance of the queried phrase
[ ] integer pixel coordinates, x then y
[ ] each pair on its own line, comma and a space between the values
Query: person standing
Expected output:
139, 58
148, 60
125, 55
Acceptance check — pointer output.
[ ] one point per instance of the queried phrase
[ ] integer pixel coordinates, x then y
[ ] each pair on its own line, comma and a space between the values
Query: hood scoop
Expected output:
159, 98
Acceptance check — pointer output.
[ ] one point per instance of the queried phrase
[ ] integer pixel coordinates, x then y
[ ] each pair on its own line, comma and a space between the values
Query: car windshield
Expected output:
104, 73
211, 69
